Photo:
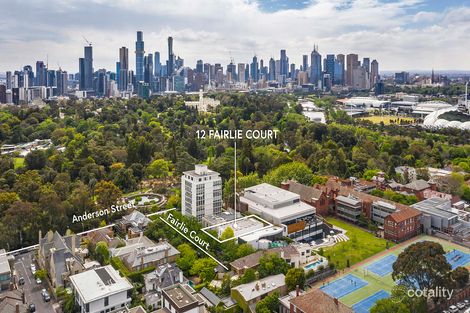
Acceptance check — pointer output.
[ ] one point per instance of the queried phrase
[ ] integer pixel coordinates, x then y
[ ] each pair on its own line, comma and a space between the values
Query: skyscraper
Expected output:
241, 72
157, 64
330, 66
148, 68
123, 68
62, 82
9, 78
28, 70
40, 74
352, 63
86, 69
374, 72
254, 69
284, 63
304, 62
199, 66
315, 66
340, 68
139, 57
366, 64
171, 57
272, 69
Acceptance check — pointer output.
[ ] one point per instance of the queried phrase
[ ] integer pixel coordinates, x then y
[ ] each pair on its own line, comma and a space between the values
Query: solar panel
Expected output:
104, 276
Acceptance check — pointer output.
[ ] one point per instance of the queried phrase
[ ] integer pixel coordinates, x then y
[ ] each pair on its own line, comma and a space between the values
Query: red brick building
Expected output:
310, 195
402, 225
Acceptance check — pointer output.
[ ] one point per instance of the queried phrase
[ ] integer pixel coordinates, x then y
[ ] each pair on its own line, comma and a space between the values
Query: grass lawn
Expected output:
360, 245
18, 162
376, 119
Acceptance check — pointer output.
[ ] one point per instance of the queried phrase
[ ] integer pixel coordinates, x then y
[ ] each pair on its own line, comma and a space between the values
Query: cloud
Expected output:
400, 34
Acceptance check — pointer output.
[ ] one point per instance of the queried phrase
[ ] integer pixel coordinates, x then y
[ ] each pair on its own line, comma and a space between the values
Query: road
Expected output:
31, 289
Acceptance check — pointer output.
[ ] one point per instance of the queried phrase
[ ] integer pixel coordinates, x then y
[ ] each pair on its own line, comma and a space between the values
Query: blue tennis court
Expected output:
343, 286
457, 258
365, 305
383, 266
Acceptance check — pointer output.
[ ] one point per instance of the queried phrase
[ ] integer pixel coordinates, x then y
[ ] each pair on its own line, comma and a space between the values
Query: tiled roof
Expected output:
317, 301
418, 185
306, 193
404, 214
252, 260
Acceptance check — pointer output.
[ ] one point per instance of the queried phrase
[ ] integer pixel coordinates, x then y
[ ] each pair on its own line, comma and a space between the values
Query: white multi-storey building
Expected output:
201, 192
101, 290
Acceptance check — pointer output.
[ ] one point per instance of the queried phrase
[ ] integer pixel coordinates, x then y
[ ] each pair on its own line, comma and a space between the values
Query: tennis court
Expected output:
383, 266
365, 305
457, 258
343, 286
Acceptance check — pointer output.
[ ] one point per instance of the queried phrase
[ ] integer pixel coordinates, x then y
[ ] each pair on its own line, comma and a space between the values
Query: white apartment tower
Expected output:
201, 192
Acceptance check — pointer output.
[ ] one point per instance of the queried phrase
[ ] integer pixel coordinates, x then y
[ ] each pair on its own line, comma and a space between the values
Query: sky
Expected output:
400, 34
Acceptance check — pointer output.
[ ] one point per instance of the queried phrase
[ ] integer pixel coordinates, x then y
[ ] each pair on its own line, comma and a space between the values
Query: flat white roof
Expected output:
270, 193
260, 287
98, 283
298, 209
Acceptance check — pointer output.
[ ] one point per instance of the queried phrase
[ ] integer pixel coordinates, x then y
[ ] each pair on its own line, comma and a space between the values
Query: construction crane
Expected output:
88, 42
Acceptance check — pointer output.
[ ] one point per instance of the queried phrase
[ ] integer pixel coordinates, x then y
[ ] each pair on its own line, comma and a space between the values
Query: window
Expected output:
87, 307
106, 301
129, 293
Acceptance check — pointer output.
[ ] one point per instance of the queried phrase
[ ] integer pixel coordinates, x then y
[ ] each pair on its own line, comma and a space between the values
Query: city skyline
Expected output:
406, 28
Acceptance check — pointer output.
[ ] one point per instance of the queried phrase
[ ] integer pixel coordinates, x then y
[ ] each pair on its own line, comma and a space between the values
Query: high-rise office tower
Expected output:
241, 72
148, 68
292, 71
374, 72
28, 69
9, 80
139, 57
284, 63
199, 66
86, 69
202, 190
171, 57
232, 71
62, 82
330, 66
315, 66
40, 73
272, 69
51, 78
351, 64
254, 69
366, 64
157, 64
304, 62
123, 68
340, 70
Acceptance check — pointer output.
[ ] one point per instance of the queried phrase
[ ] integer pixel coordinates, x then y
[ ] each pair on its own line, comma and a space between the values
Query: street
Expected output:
31, 289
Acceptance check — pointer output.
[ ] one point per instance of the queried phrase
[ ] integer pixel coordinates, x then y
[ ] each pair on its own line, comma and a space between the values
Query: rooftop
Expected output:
418, 185
323, 303
306, 193
436, 206
99, 283
4, 265
270, 193
180, 296
260, 287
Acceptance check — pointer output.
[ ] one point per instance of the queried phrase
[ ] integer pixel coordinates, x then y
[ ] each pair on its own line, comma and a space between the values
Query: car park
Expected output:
32, 307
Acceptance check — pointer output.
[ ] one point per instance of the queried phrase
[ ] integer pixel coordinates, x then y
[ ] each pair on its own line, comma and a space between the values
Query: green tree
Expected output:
107, 194
35, 160
294, 170
388, 305
295, 277
272, 264
27, 186
205, 268
41, 274
268, 304
422, 265
186, 258
227, 233
248, 277
460, 276
7, 199
159, 168
102, 253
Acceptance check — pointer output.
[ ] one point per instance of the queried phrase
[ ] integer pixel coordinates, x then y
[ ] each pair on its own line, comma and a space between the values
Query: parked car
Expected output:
45, 295
461, 305
38, 281
467, 302
453, 309
21, 280
32, 307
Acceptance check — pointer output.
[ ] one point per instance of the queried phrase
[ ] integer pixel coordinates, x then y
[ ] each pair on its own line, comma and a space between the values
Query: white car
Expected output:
453, 309
461, 305
38, 281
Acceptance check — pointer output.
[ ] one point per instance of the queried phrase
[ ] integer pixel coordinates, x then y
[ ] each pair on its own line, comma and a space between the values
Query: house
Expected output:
133, 224
13, 301
101, 290
283, 208
180, 299
204, 104
407, 174
247, 295
316, 301
212, 300
141, 252
417, 187
103, 235
5, 271
310, 195
402, 225
60, 256
162, 277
